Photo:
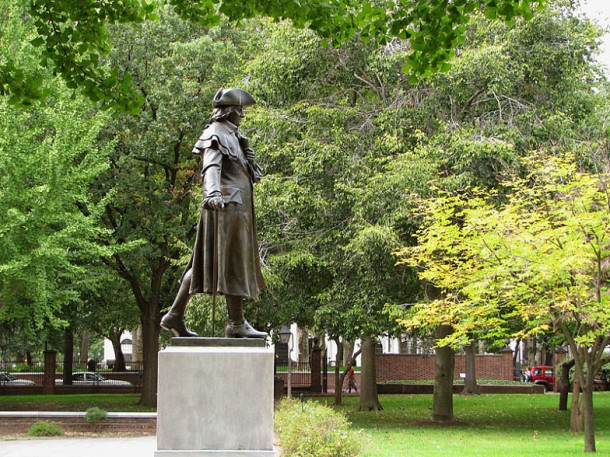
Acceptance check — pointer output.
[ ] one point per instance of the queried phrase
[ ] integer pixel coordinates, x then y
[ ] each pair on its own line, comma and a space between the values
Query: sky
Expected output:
599, 11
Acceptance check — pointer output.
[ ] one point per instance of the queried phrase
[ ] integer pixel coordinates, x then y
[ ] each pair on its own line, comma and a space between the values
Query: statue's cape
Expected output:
221, 136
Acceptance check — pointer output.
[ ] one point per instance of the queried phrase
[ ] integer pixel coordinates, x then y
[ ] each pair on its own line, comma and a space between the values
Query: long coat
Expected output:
235, 260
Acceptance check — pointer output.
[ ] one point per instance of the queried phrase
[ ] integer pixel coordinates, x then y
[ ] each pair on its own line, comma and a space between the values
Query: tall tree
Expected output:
51, 227
538, 258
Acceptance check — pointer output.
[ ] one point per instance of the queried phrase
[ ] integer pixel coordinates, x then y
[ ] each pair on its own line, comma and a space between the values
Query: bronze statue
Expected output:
225, 259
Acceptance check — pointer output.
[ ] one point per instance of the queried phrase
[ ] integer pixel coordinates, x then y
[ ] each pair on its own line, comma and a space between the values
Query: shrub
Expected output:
25, 368
45, 428
95, 414
315, 431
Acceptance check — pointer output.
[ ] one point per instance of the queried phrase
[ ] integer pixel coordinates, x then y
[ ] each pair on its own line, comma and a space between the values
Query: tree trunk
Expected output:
68, 356
119, 357
348, 351
303, 344
470, 383
83, 345
576, 422
589, 417
442, 410
531, 353
564, 387
339, 356
136, 355
369, 400
338, 378
547, 355
150, 338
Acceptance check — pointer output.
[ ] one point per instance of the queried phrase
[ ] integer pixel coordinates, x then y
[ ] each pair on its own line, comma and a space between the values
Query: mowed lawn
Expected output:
487, 426
78, 402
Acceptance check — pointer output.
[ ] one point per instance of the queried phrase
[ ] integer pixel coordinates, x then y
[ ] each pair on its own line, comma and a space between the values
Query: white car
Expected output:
90, 378
7, 379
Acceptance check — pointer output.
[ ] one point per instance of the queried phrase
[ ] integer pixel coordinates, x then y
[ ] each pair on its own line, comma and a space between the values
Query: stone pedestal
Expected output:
215, 398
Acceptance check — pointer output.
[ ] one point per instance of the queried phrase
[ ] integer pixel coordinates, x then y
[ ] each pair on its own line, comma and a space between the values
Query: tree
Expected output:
109, 311
538, 258
75, 39
51, 228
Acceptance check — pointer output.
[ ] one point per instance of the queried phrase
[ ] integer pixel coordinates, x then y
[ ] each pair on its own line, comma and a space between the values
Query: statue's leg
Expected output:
174, 319
238, 327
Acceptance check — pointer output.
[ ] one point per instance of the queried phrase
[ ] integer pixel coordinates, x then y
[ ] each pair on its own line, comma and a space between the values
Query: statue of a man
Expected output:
225, 259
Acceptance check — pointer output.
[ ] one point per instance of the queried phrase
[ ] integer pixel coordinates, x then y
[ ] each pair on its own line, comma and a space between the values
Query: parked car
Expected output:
7, 379
544, 375
90, 378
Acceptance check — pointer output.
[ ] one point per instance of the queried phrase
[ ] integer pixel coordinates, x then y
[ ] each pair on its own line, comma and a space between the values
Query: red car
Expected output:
544, 375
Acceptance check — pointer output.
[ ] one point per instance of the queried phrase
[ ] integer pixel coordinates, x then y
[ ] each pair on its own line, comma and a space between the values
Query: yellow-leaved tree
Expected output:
532, 258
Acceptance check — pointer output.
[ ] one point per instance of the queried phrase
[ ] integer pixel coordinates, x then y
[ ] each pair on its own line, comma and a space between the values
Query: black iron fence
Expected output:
21, 374
18, 374
300, 373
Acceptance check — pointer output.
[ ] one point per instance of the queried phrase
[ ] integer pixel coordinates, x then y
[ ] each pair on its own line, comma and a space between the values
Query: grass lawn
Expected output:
80, 402
486, 426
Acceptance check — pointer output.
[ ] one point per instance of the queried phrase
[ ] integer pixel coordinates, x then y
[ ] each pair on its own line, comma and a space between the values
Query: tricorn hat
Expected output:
232, 97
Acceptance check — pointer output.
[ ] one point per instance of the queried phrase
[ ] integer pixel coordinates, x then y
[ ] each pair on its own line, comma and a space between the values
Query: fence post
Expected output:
48, 379
316, 366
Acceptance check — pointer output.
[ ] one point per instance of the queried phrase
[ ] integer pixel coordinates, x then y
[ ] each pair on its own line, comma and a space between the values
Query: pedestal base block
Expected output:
215, 454
215, 401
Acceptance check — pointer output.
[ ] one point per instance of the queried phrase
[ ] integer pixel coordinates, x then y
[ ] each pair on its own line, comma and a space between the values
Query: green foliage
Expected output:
531, 265
51, 225
95, 414
75, 40
481, 256
315, 431
45, 428
25, 368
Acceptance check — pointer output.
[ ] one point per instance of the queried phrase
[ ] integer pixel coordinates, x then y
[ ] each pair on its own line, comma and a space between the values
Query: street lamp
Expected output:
286, 338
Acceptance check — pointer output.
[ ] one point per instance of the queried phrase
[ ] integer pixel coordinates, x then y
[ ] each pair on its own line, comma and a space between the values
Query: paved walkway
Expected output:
140, 446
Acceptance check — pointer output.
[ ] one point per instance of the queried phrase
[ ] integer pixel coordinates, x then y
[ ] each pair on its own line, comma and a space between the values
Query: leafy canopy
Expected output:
540, 258
73, 36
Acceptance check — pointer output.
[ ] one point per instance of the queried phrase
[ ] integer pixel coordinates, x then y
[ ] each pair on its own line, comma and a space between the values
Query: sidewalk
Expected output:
140, 446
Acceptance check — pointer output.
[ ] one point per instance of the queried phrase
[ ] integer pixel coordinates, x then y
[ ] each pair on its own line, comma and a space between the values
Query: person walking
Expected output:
351, 380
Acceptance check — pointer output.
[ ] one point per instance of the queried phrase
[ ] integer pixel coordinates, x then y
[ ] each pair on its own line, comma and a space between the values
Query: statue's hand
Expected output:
249, 153
213, 203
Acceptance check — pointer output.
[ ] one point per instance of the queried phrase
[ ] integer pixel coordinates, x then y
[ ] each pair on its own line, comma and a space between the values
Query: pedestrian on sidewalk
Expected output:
351, 380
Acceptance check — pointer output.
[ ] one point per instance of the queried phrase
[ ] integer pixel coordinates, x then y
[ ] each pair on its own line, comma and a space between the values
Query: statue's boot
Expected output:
238, 327
176, 325
174, 319
242, 330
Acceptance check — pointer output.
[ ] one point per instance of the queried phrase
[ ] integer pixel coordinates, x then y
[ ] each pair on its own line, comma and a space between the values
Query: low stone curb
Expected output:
18, 422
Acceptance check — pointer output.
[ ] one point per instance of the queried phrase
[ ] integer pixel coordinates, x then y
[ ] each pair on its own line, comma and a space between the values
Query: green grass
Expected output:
80, 402
486, 426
